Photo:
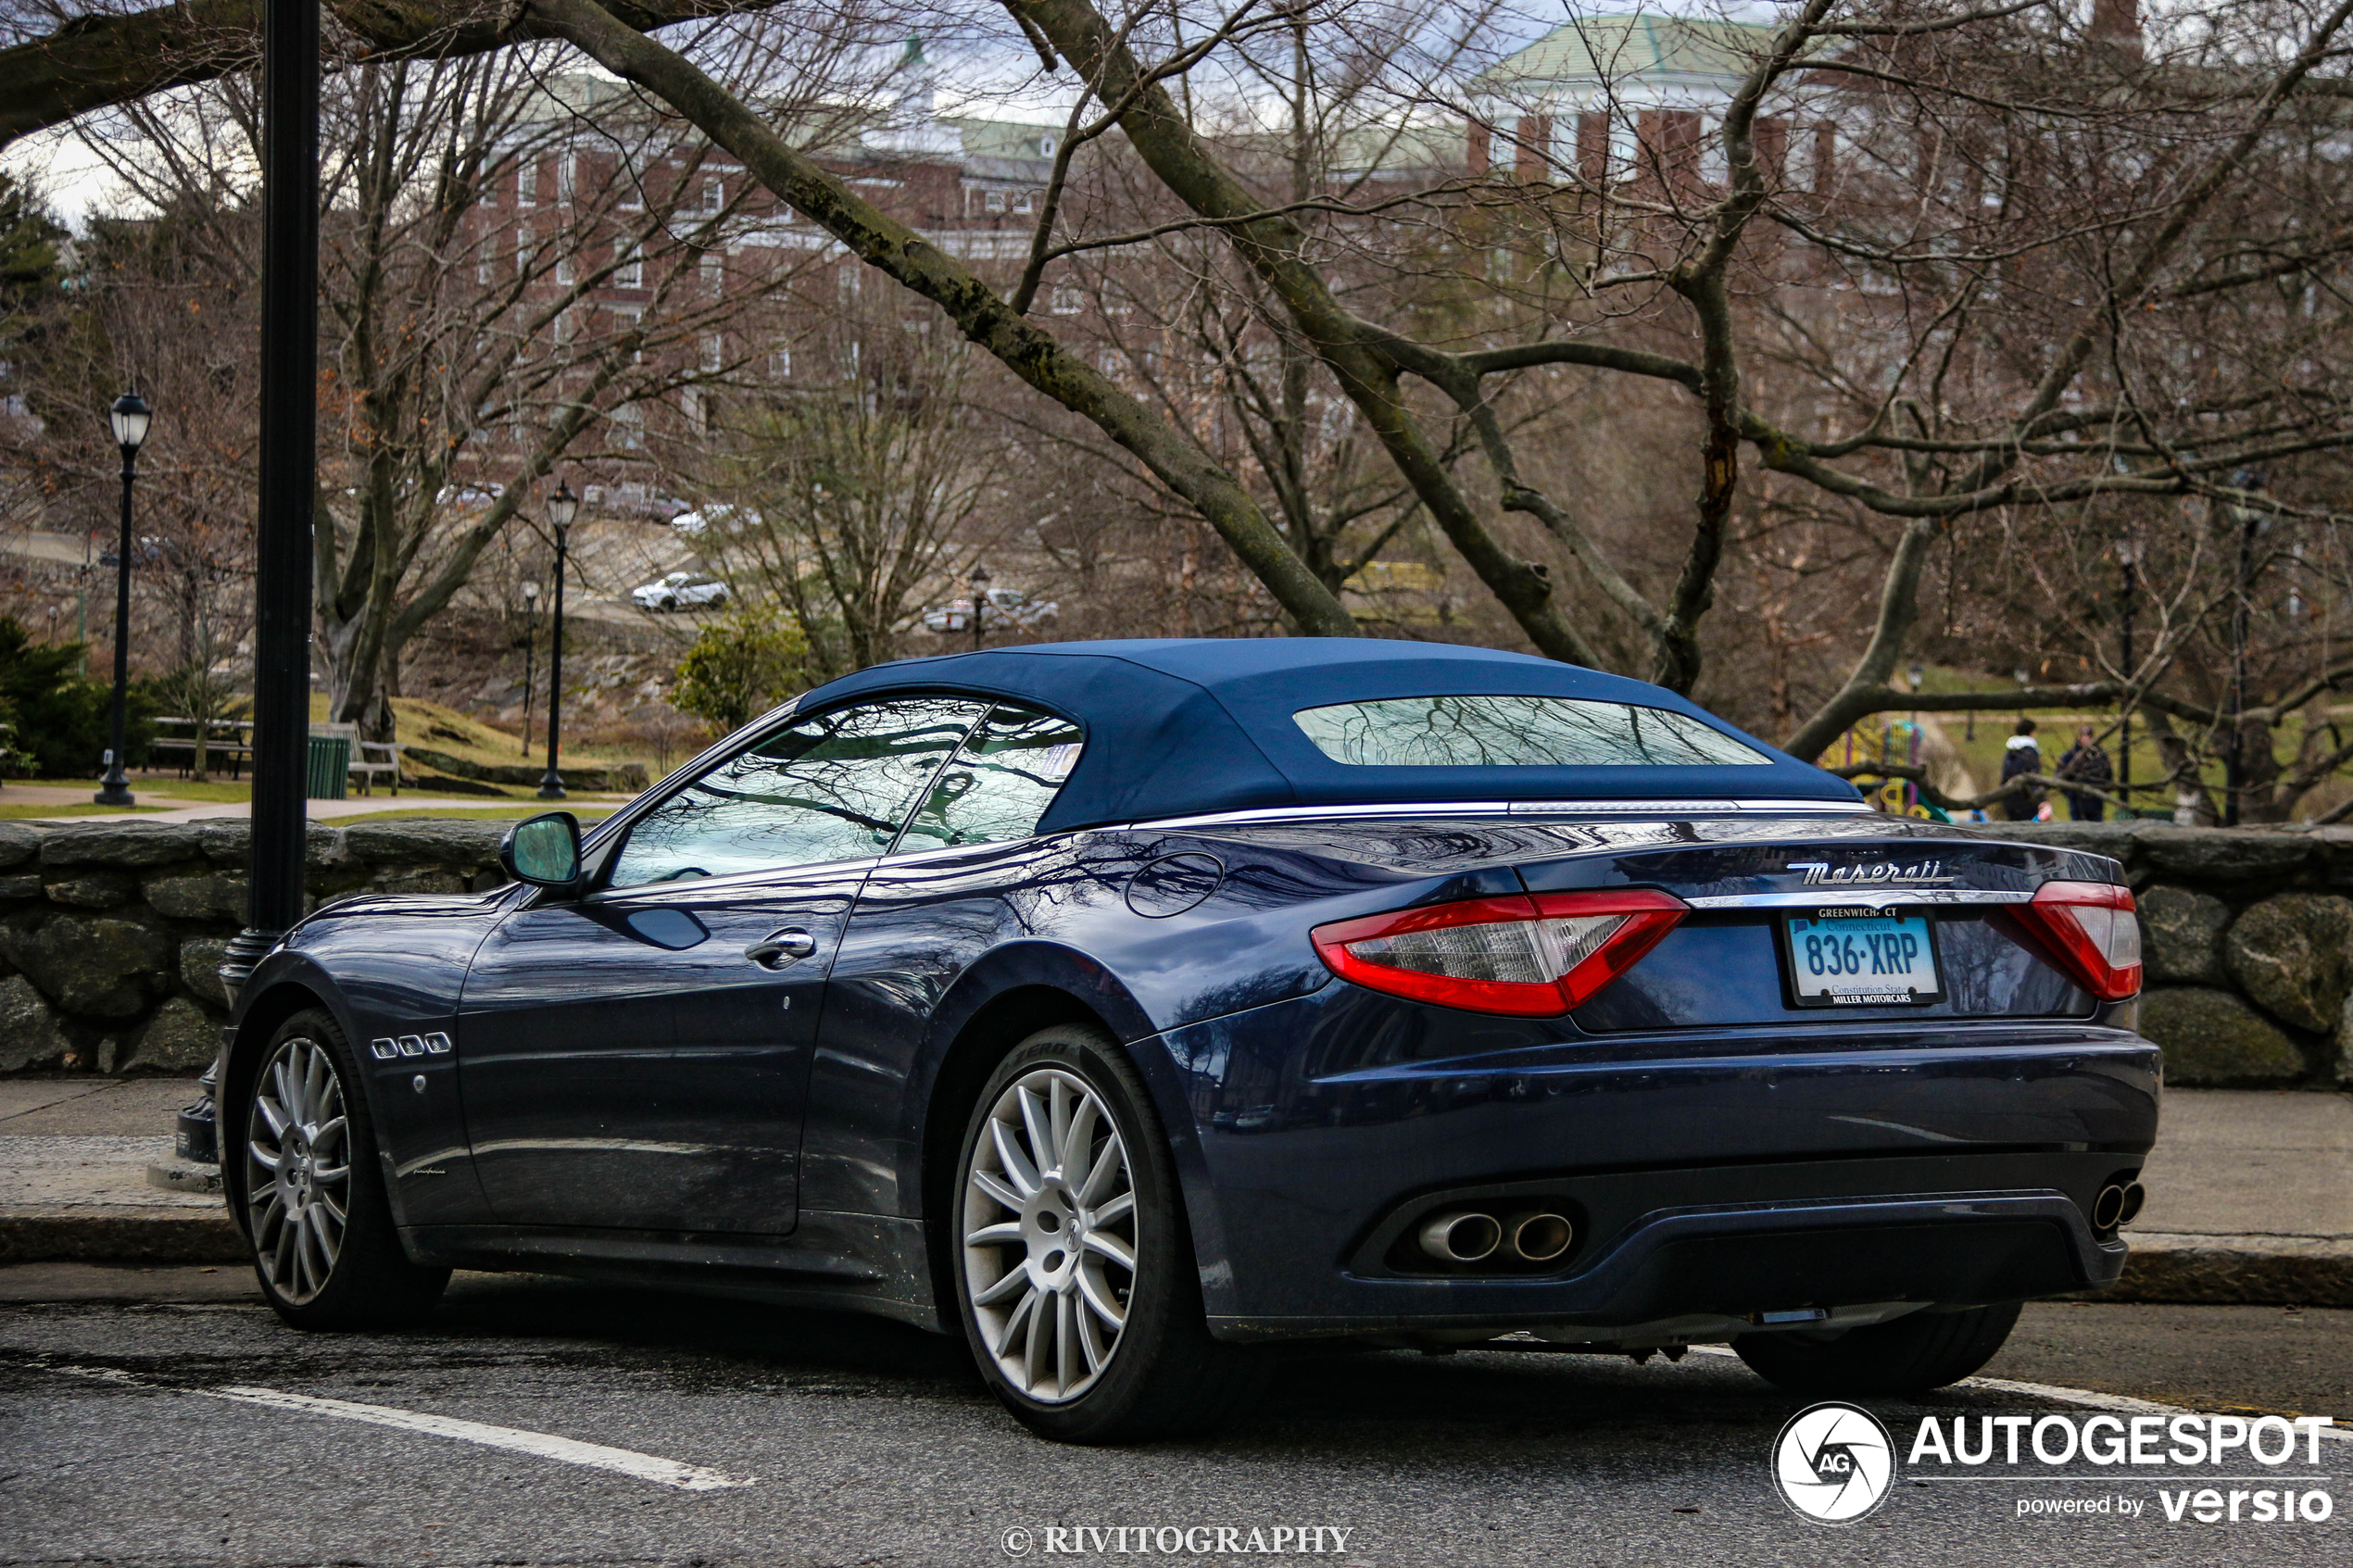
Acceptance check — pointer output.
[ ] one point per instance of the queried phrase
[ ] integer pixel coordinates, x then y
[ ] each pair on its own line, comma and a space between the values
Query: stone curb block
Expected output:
2235, 1270
121, 1235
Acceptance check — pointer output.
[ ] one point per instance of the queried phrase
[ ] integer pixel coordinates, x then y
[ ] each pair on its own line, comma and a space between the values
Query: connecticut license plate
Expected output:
1861, 958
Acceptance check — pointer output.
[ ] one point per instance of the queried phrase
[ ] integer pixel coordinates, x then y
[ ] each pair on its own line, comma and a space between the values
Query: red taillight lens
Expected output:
1528, 957
2091, 931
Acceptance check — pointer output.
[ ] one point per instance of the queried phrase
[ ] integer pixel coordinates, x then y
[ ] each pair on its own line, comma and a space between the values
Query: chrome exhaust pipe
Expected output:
2135, 1196
2108, 1208
1460, 1236
1536, 1237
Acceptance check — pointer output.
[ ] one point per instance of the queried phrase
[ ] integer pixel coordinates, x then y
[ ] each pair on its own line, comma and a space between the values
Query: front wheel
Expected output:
1924, 1350
1074, 1266
323, 1242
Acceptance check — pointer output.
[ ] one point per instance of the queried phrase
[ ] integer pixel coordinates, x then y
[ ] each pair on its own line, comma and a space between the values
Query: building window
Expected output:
1067, 301
630, 270
523, 252
1045, 146
527, 183
692, 409
567, 177
714, 197
563, 265
713, 269
994, 201
780, 364
1026, 202
632, 194
629, 425
714, 354
845, 282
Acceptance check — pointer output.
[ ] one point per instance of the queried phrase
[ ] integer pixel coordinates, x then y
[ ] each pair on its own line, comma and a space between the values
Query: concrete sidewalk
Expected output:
2250, 1192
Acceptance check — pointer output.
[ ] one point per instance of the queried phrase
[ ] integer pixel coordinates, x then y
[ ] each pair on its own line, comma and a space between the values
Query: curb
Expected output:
2266, 1270
118, 1235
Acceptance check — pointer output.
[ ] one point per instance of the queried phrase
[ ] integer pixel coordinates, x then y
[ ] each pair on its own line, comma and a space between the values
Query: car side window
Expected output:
835, 787
1002, 780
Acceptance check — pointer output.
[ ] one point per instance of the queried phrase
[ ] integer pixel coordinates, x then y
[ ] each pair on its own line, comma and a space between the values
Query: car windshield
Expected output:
1516, 732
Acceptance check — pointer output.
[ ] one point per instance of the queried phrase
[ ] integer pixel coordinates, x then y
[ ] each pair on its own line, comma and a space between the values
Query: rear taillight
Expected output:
1534, 957
2092, 932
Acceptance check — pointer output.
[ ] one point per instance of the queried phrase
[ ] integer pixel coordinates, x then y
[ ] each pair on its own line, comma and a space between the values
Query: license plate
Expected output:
1862, 959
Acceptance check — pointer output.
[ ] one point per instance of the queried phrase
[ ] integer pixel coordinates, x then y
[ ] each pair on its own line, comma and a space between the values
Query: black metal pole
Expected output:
2124, 760
115, 788
551, 786
289, 424
530, 646
2233, 756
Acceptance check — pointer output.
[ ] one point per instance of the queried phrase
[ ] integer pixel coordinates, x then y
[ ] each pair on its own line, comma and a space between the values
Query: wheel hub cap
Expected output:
1051, 1234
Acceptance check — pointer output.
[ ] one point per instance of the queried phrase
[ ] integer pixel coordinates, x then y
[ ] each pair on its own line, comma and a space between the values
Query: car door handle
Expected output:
782, 948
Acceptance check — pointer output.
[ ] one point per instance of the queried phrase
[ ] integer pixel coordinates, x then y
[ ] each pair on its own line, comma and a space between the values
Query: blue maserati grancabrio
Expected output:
1132, 1008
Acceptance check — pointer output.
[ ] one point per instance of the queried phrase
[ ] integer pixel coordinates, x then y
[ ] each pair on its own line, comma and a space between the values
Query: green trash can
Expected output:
327, 772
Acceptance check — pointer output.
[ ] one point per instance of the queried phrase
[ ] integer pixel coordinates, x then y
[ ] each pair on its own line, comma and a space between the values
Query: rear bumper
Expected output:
1727, 1173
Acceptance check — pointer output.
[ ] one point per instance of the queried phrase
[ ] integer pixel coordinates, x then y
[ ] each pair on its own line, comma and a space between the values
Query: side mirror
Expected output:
543, 850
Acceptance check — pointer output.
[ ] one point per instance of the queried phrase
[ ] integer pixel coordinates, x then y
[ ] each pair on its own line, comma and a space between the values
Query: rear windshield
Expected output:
1516, 732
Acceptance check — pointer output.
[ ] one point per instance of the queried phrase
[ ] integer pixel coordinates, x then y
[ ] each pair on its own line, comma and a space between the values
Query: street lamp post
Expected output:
2128, 557
980, 601
562, 507
131, 417
2251, 521
530, 646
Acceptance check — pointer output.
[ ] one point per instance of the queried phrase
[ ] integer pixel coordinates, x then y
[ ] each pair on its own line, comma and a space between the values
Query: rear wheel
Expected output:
324, 1246
1074, 1266
1925, 1350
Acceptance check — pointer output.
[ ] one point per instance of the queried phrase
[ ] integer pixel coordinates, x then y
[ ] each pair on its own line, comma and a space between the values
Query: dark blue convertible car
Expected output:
1130, 1007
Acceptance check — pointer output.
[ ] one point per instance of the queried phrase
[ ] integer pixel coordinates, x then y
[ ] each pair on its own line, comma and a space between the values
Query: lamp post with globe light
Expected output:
562, 506
980, 602
131, 417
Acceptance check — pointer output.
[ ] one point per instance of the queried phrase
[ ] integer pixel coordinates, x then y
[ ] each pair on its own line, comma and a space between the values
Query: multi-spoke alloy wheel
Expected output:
298, 1169
1051, 1234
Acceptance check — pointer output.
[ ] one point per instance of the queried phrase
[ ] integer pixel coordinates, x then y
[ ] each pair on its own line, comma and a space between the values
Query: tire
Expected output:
1924, 1350
308, 1150
670, 604
1103, 1341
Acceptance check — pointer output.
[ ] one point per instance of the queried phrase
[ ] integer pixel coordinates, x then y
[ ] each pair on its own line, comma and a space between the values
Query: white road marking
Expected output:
541, 1444
2089, 1399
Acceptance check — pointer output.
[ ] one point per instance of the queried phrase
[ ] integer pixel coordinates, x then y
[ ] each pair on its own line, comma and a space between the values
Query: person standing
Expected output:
2086, 763
2019, 757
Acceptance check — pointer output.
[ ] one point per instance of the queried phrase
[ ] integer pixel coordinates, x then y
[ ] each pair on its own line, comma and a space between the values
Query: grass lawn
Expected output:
162, 786
482, 813
11, 811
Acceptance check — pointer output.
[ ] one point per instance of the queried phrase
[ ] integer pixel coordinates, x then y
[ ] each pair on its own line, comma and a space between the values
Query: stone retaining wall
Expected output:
2247, 938
110, 933
111, 930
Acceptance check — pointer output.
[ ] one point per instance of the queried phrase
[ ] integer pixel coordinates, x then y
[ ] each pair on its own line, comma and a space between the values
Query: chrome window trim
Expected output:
1846, 897
770, 876
1497, 808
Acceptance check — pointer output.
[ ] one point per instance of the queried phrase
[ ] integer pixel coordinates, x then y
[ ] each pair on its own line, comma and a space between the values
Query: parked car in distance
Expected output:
468, 495
682, 590
1003, 609
699, 521
1126, 1009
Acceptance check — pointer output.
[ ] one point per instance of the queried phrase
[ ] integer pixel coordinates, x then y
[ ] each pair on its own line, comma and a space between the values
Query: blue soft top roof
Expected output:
1179, 727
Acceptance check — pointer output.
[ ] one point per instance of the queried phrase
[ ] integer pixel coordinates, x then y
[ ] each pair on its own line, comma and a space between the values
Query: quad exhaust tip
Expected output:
1459, 1236
2117, 1204
1467, 1235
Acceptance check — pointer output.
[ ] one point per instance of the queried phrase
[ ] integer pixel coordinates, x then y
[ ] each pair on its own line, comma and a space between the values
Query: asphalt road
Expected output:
160, 1416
